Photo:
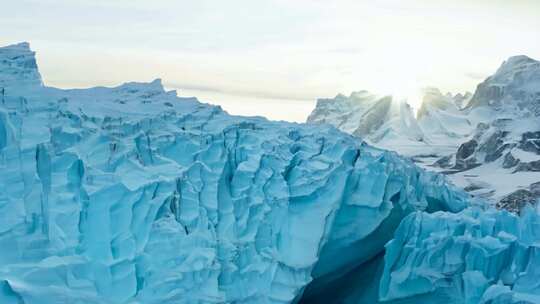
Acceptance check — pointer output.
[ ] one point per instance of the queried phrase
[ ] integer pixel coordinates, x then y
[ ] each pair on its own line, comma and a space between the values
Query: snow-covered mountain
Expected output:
391, 123
487, 142
376, 119
131, 194
515, 84
501, 157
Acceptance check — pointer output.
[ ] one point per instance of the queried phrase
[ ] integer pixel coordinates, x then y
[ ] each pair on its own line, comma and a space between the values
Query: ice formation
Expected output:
133, 195
471, 257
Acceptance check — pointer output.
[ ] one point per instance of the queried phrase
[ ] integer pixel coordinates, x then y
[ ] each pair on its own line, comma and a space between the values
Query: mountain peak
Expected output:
432, 98
515, 64
517, 79
519, 59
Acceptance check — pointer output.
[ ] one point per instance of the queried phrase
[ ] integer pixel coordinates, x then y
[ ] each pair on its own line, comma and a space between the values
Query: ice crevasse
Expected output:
131, 194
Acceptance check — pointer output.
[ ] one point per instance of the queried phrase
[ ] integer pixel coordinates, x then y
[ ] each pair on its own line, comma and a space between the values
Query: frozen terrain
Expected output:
474, 256
131, 194
487, 142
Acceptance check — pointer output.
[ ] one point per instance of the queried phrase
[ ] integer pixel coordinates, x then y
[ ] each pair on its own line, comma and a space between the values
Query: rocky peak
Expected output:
516, 83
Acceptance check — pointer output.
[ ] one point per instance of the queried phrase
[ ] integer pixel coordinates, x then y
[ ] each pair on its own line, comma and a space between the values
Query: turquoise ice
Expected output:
475, 256
131, 194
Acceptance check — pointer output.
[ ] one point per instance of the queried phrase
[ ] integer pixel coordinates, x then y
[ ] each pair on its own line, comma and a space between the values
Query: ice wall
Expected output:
474, 256
133, 195
18, 66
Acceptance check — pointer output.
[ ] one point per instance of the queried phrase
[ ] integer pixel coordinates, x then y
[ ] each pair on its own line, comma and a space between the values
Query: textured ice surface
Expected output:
474, 256
18, 66
133, 195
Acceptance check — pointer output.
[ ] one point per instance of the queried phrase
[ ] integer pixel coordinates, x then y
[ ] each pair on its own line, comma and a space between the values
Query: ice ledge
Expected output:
18, 66
17, 47
155, 85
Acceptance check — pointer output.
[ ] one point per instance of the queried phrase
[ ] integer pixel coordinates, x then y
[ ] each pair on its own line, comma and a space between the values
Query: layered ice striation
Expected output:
133, 195
474, 256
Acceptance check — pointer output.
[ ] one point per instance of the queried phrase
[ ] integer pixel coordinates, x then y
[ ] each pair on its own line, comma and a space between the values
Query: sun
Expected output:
403, 89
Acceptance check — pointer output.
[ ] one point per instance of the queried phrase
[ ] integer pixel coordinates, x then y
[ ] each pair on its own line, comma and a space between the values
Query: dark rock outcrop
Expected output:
510, 161
444, 162
533, 166
494, 146
465, 155
530, 141
516, 200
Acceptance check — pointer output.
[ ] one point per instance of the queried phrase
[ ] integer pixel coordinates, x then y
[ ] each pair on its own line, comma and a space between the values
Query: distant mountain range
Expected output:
487, 143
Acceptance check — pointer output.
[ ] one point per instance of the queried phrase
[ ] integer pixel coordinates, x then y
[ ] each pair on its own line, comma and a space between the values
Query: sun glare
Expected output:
401, 71
402, 89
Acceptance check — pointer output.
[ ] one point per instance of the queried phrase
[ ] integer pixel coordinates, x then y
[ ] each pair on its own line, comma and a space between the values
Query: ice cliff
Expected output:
474, 256
131, 194
18, 66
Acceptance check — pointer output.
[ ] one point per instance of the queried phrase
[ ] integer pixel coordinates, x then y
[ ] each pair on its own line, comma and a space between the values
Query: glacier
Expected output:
131, 194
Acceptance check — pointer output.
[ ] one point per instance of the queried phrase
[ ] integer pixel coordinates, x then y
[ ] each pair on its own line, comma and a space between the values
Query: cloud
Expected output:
259, 94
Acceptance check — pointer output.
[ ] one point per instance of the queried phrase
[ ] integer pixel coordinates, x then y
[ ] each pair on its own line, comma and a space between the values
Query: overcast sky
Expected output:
273, 57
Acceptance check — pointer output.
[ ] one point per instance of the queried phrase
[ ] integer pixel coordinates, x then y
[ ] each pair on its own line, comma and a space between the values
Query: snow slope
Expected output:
131, 194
